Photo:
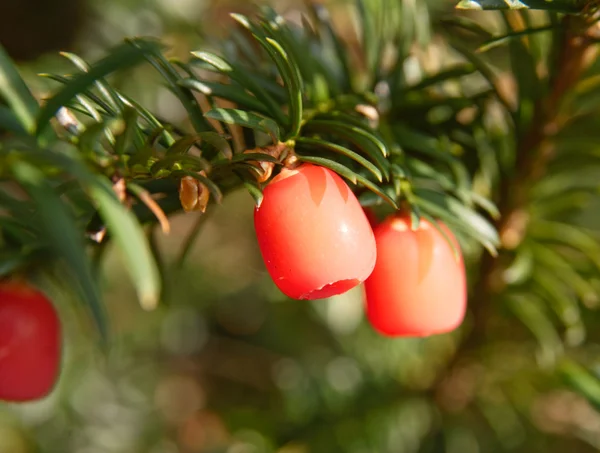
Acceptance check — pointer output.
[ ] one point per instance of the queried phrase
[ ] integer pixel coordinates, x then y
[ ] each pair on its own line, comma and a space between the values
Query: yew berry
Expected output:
29, 343
418, 286
313, 234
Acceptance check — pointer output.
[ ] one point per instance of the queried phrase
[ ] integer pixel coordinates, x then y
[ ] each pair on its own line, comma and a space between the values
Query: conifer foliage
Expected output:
477, 127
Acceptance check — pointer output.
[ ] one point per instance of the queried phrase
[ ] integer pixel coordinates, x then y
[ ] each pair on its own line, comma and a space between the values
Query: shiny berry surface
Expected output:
418, 286
313, 234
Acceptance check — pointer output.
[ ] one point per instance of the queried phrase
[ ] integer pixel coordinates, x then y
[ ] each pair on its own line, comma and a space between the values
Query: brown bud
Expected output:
267, 167
193, 194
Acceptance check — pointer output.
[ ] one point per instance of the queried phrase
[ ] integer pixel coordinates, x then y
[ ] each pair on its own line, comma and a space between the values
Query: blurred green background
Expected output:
226, 363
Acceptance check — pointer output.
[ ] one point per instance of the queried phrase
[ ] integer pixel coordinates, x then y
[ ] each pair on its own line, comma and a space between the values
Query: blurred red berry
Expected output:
29, 343
418, 286
313, 234
371, 217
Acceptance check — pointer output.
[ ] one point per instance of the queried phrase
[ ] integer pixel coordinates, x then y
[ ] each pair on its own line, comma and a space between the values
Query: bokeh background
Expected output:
226, 363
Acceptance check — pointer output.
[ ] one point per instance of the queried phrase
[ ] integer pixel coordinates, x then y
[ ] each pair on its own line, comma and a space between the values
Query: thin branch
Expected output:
190, 240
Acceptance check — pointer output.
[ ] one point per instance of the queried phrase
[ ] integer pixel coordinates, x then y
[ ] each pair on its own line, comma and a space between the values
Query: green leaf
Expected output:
110, 96
437, 148
85, 94
214, 60
18, 232
252, 187
17, 207
453, 212
218, 143
183, 145
569, 236
60, 231
338, 168
252, 82
564, 271
485, 204
428, 176
91, 110
287, 69
347, 173
521, 268
90, 140
293, 83
415, 222
129, 237
246, 119
123, 57
581, 380
315, 142
474, 219
129, 133
173, 79
121, 224
530, 310
150, 118
10, 122
11, 262
347, 118
318, 75
377, 190
558, 296
232, 93
16, 93
175, 160
361, 138
507, 37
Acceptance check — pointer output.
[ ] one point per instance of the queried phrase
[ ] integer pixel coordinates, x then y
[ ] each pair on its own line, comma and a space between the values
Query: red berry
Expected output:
29, 343
313, 234
371, 217
418, 286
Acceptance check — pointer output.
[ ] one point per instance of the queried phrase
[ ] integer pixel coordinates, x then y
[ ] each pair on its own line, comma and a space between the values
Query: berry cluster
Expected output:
317, 242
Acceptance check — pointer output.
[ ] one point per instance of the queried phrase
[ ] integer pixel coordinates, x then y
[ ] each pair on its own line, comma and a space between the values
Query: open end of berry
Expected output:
332, 289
